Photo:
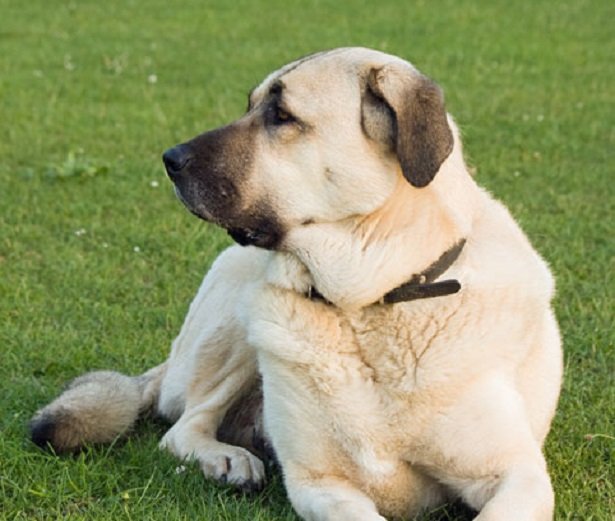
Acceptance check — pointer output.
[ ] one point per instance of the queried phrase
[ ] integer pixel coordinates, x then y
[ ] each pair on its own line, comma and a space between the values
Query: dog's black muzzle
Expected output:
208, 173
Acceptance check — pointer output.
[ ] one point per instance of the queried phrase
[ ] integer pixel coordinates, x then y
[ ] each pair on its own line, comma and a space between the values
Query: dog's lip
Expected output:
199, 211
242, 234
203, 213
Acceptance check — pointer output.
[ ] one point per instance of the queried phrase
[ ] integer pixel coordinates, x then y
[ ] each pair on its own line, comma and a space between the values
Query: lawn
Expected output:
98, 261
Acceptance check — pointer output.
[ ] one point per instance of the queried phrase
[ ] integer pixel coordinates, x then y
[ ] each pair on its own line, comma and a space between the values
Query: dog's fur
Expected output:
347, 175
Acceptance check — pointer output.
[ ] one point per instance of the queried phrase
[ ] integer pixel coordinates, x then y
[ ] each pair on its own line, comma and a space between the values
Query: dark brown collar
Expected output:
421, 285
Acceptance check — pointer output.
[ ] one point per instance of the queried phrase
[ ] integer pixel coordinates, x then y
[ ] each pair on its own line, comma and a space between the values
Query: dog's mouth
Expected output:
254, 237
199, 210
254, 227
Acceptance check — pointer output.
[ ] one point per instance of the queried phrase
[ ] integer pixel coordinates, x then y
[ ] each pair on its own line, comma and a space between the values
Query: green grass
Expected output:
98, 264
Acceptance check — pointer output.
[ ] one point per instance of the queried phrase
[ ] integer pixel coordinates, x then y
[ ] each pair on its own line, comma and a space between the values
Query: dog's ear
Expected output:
412, 121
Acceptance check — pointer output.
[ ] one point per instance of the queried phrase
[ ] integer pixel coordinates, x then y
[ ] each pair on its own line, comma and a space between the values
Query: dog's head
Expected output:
325, 138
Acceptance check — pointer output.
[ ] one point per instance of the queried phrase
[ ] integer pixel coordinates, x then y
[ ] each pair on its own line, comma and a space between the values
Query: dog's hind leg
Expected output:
209, 385
224, 375
212, 381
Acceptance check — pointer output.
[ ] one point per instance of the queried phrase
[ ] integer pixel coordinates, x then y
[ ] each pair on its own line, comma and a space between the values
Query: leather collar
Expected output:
421, 285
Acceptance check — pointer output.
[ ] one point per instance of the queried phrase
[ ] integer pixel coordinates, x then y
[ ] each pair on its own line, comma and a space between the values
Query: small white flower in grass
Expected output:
68, 63
105, 245
152, 78
154, 184
516, 173
180, 470
80, 232
136, 249
540, 118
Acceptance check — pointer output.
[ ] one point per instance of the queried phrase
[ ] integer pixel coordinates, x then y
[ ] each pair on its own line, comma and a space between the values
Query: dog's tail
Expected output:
95, 408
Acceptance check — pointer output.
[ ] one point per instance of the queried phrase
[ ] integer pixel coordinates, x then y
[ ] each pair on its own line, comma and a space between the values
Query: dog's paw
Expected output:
233, 465
225, 463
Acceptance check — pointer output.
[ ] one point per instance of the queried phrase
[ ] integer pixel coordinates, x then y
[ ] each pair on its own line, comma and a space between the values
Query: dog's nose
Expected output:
175, 159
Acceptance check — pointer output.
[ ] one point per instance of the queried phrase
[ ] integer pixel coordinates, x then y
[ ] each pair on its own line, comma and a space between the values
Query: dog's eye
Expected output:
283, 116
279, 116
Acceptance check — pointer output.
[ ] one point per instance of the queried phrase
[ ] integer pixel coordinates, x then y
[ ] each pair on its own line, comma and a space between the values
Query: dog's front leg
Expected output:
495, 461
329, 499
212, 369
291, 334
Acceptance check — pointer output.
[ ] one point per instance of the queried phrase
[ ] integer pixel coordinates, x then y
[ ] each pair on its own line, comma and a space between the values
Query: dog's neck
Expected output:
357, 262
421, 285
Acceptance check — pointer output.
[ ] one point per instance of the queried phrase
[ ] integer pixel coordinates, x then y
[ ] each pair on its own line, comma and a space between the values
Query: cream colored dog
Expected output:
393, 315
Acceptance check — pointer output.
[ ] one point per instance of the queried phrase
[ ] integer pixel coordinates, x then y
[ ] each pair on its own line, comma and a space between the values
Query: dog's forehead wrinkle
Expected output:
315, 59
303, 60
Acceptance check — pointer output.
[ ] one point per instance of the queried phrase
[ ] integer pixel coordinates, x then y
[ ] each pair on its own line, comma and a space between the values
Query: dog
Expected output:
383, 327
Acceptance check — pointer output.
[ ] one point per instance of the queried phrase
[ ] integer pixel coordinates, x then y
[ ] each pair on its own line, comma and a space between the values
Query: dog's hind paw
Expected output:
233, 465
220, 461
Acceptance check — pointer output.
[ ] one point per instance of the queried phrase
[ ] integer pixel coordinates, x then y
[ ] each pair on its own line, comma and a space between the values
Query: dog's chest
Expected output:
361, 369
341, 388
404, 345
354, 393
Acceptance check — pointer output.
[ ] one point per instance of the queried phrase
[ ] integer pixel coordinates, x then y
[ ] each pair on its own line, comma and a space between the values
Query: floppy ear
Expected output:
419, 132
